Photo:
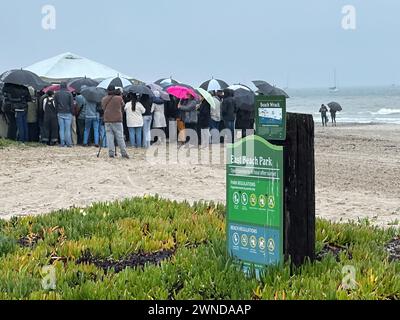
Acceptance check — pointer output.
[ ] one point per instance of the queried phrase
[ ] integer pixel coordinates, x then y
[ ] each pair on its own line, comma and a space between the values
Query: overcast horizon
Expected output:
296, 44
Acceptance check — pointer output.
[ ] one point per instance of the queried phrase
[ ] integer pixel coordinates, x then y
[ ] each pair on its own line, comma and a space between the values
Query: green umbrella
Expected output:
206, 95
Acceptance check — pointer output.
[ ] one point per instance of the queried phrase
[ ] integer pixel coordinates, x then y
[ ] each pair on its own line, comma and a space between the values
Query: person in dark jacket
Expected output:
228, 111
204, 120
64, 104
172, 115
245, 116
188, 111
50, 122
324, 110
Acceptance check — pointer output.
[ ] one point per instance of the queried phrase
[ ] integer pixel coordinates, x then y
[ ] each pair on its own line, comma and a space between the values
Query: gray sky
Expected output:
238, 41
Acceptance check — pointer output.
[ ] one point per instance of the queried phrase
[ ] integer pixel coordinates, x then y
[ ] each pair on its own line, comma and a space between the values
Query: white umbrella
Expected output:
207, 96
116, 82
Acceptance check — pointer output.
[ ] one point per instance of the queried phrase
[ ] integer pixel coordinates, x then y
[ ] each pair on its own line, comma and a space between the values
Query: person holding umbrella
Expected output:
50, 122
334, 108
333, 117
64, 105
188, 110
134, 118
228, 110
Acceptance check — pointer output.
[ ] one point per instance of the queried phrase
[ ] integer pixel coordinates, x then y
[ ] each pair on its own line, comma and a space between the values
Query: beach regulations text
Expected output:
255, 202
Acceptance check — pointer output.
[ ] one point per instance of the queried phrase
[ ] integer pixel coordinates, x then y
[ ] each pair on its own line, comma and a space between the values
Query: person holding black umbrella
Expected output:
228, 110
64, 104
333, 116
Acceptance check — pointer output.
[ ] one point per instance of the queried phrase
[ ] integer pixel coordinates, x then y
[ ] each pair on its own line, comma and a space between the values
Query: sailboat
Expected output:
334, 88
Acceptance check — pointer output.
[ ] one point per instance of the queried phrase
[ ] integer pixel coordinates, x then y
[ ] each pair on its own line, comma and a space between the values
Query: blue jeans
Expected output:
214, 128
103, 136
89, 123
65, 123
135, 137
231, 126
22, 125
147, 131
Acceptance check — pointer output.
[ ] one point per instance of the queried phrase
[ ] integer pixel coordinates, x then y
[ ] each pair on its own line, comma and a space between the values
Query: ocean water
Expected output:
360, 105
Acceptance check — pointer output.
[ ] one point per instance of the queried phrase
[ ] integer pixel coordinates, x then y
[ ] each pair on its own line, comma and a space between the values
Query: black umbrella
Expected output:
78, 83
15, 91
94, 94
268, 90
214, 85
244, 97
335, 106
23, 78
139, 89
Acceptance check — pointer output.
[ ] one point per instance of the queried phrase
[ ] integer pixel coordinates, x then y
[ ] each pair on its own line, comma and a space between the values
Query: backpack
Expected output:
50, 104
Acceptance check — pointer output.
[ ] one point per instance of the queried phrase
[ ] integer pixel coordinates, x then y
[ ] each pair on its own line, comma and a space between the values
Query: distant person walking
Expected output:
64, 104
134, 119
333, 117
324, 110
112, 105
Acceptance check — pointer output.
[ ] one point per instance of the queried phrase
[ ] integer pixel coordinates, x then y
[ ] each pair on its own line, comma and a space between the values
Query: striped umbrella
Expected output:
165, 82
116, 82
214, 85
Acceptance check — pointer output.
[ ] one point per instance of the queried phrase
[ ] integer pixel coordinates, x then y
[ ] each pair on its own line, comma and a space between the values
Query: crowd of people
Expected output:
67, 118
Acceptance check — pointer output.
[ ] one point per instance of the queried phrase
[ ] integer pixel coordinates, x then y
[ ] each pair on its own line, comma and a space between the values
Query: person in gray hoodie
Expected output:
64, 105
188, 110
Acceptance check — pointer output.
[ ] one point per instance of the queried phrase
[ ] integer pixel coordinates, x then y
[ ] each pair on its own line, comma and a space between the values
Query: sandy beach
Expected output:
357, 176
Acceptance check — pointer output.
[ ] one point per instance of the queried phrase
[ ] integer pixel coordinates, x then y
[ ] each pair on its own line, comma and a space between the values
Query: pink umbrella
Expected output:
56, 87
181, 92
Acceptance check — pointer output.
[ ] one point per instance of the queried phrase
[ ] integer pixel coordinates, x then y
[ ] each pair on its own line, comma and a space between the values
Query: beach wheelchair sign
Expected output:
255, 202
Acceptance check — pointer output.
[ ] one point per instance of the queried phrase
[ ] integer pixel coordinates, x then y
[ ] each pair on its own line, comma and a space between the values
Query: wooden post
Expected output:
299, 175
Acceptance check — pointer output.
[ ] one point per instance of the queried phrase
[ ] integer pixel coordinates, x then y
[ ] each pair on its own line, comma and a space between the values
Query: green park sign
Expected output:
271, 117
255, 202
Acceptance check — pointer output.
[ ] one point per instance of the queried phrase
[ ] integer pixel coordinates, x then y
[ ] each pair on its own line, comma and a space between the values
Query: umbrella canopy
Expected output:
116, 82
14, 91
78, 83
23, 78
57, 87
244, 96
181, 92
139, 89
157, 88
71, 66
266, 89
94, 94
214, 85
207, 96
166, 82
335, 106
